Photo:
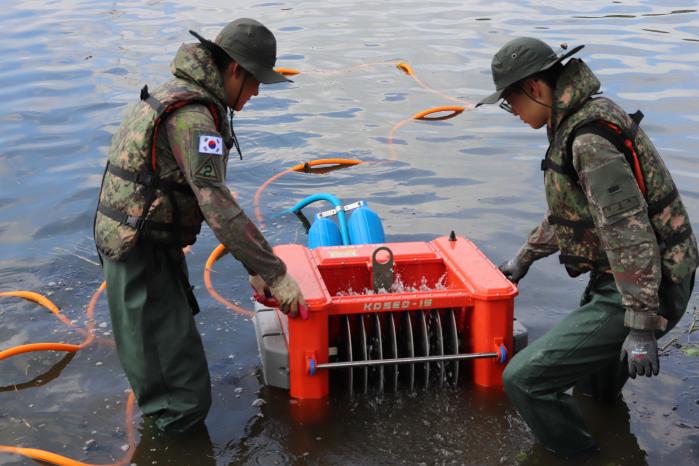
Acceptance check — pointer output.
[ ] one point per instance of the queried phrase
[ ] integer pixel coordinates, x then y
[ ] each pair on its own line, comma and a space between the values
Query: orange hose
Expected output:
423, 115
287, 71
47, 456
295, 168
41, 300
389, 141
53, 458
215, 255
407, 69
48, 304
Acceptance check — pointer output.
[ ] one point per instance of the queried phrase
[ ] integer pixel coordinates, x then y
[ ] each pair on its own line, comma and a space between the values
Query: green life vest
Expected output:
578, 241
137, 201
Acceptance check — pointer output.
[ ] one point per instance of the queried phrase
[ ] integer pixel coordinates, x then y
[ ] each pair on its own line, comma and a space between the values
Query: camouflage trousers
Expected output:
151, 307
581, 351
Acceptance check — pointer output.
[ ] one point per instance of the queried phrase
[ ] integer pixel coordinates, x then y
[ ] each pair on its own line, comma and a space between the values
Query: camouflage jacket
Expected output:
179, 137
598, 217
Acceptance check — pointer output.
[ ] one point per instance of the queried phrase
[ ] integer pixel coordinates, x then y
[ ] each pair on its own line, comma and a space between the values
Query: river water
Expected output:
71, 68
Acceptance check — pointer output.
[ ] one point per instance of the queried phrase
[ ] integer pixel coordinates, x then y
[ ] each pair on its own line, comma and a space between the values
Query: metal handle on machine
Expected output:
270, 301
416, 359
382, 273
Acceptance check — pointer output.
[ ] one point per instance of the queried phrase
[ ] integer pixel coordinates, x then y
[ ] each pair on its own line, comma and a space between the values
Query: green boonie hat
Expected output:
519, 58
251, 45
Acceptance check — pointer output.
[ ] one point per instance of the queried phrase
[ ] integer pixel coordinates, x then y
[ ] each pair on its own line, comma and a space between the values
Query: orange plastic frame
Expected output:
471, 282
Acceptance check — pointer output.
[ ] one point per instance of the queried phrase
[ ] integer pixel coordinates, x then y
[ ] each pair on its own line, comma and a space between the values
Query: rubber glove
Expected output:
514, 269
259, 285
641, 349
287, 293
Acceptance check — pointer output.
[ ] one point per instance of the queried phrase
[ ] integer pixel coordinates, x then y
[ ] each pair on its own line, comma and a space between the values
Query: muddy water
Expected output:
69, 71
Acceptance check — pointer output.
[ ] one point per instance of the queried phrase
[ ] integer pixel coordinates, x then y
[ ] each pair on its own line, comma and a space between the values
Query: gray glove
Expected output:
641, 349
514, 269
288, 295
259, 285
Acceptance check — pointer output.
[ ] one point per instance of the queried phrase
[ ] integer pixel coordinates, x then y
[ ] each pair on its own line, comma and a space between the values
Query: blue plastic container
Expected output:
324, 232
365, 227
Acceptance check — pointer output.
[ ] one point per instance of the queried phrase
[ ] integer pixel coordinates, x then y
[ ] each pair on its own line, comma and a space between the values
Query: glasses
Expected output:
505, 105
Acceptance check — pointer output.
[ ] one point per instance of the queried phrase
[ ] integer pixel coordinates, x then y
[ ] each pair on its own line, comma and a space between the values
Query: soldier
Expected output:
166, 173
613, 211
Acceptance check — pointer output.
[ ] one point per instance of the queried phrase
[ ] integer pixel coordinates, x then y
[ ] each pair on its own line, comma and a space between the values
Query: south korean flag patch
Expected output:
210, 144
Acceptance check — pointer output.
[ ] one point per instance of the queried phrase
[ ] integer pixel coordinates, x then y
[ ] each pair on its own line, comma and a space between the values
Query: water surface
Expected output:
71, 68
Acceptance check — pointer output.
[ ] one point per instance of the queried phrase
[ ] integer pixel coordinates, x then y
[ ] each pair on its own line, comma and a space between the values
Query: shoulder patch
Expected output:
210, 144
208, 171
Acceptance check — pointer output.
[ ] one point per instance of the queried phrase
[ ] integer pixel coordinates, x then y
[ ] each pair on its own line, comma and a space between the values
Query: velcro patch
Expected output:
210, 144
208, 171
620, 207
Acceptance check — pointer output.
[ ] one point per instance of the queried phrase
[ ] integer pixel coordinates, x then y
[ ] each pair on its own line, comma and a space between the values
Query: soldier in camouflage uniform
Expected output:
165, 174
614, 211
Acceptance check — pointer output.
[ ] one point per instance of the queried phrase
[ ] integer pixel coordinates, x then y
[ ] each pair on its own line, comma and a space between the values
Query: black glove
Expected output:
641, 349
514, 269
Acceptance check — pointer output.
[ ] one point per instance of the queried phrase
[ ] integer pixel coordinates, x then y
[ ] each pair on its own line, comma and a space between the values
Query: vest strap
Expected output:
149, 180
568, 170
139, 224
135, 222
578, 226
595, 126
584, 224
605, 132
152, 101
656, 207
676, 238
623, 142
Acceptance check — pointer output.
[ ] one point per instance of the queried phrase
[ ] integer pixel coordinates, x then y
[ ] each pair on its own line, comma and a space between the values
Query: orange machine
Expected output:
379, 314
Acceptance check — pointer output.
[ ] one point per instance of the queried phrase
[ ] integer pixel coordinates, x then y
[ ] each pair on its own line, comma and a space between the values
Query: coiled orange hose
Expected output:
48, 304
423, 115
47, 456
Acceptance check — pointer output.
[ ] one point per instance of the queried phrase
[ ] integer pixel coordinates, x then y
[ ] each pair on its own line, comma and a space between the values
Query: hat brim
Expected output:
492, 98
263, 74
497, 95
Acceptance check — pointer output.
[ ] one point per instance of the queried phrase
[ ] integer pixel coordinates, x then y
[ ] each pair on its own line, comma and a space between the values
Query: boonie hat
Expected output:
519, 58
251, 45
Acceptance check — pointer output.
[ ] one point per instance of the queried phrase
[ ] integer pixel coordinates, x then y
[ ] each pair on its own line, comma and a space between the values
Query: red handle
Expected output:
272, 302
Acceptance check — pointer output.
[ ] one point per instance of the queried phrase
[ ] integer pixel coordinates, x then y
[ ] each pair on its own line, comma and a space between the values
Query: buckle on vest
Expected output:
147, 179
134, 222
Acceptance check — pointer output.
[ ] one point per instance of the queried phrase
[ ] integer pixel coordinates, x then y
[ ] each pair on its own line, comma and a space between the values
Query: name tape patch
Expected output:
209, 144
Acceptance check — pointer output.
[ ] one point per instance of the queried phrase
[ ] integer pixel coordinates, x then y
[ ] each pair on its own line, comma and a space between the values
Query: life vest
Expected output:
136, 199
579, 244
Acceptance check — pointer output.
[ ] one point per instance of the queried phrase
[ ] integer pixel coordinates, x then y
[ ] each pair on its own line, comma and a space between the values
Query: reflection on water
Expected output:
69, 71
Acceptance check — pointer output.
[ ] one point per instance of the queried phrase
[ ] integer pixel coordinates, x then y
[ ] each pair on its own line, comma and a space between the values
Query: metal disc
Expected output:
452, 339
424, 344
363, 354
377, 343
439, 344
409, 346
348, 352
392, 350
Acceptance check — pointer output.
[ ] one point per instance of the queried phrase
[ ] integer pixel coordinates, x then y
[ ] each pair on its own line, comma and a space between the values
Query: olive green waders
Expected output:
583, 350
151, 306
